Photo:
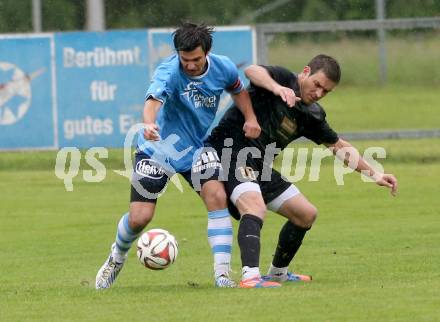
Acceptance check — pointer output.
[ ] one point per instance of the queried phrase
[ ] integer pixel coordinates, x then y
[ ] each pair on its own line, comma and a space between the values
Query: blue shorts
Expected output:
150, 178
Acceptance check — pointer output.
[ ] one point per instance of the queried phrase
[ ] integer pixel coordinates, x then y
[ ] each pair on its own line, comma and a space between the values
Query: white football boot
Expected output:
223, 281
109, 271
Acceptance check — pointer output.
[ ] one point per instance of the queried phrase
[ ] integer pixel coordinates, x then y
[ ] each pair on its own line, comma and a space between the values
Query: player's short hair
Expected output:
189, 36
328, 65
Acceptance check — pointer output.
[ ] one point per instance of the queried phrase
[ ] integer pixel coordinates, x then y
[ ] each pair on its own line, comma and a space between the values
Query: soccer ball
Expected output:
157, 249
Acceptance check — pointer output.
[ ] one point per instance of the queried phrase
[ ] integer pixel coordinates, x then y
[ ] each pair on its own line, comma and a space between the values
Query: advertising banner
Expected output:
27, 110
101, 81
86, 89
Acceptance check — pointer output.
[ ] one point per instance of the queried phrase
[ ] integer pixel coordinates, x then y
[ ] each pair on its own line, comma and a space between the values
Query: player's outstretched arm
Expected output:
260, 77
151, 107
251, 128
351, 157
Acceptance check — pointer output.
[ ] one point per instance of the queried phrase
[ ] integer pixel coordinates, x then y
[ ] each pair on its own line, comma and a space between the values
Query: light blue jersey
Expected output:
189, 107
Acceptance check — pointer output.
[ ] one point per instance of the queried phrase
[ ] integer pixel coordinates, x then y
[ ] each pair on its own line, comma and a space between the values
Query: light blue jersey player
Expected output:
180, 106
189, 104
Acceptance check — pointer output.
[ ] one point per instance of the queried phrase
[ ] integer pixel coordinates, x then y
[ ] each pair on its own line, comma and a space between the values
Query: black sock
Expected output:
249, 240
289, 241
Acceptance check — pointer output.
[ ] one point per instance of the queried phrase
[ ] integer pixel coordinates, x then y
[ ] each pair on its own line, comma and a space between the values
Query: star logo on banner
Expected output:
15, 92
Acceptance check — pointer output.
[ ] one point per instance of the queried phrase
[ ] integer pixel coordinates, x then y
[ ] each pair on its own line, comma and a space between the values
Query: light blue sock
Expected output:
220, 240
125, 236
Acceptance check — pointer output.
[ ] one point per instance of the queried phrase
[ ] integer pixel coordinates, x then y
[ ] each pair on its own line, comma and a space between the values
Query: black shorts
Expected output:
149, 178
247, 171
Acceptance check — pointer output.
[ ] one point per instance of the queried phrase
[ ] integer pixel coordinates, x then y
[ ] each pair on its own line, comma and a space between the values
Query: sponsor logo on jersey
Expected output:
150, 169
192, 94
289, 125
287, 128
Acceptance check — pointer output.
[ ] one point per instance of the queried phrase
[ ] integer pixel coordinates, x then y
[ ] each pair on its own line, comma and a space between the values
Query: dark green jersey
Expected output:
279, 123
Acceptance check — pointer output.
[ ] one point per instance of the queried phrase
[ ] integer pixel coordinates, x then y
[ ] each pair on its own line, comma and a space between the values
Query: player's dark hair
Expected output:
189, 36
328, 65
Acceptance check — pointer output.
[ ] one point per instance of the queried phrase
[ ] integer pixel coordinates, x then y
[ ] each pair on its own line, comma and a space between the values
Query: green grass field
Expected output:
373, 257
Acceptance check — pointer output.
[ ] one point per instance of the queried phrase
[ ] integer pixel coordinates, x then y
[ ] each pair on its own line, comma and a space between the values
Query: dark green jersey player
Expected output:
286, 108
280, 123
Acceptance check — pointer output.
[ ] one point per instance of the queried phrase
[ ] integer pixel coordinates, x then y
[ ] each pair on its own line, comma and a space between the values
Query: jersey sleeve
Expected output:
234, 84
161, 84
322, 133
280, 74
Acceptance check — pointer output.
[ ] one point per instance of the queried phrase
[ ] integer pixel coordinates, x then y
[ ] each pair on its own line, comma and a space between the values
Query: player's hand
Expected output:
251, 129
389, 181
151, 132
287, 95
